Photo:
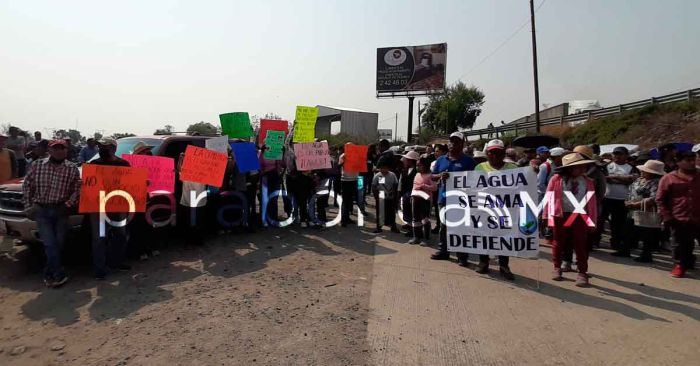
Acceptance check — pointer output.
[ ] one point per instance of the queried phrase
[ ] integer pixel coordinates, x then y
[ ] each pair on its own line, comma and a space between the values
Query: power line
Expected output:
526, 22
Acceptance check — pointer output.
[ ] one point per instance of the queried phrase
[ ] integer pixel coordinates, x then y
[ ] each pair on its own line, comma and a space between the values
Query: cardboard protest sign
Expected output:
312, 155
305, 124
246, 156
493, 213
161, 171
203, 166
355, 159
274, 143
108, 179
271, 124
236, 125
219, 144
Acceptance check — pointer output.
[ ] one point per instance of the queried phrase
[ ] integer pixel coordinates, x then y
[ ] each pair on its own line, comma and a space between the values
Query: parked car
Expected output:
13, 219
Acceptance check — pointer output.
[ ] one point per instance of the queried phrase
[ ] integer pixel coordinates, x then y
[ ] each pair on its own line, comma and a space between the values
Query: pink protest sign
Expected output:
161, 171
312, 156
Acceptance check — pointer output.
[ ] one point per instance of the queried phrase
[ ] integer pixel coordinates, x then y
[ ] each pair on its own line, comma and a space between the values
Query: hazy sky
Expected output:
133, 66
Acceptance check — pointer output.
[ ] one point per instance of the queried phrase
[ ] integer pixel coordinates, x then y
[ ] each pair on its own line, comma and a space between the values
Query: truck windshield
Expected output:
126, 145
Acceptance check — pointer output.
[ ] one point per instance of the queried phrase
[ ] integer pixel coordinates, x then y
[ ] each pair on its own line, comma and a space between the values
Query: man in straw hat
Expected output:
641, 197
678, 199
570, 229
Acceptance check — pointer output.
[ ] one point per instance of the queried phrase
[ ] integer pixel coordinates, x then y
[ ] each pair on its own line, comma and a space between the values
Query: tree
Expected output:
457, 108
74, 135
202, 128
168, 130
118, 136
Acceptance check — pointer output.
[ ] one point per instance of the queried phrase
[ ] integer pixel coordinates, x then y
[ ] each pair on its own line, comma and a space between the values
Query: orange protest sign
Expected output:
355, 160
203, 166
112, 186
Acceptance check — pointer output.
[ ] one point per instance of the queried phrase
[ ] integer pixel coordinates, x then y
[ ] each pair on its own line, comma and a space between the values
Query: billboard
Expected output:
411, 68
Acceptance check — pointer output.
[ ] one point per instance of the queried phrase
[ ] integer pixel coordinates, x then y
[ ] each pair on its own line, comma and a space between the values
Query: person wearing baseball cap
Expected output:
546, 170
571, 179
620, 176
114, 237
454, 161
51, 190
408, 174
641, 196
495, 160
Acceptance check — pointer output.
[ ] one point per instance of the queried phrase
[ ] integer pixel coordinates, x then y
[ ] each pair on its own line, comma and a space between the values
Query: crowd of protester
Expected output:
653, 201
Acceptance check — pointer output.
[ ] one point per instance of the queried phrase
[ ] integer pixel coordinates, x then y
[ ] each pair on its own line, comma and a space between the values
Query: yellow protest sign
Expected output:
305, 124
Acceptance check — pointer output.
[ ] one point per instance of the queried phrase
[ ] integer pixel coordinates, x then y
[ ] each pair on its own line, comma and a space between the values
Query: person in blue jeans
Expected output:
454, 161
51, 190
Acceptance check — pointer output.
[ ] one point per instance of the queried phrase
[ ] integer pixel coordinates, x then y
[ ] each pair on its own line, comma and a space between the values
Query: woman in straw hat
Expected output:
570, 229
641, 196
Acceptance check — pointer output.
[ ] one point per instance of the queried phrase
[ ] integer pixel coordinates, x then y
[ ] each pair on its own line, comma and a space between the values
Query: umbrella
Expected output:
534, 141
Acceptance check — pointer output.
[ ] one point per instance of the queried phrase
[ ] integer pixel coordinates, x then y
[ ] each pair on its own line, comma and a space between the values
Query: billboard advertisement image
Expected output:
411, 68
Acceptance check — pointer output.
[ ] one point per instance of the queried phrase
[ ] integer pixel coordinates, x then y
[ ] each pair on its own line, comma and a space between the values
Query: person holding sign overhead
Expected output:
495, 155
51, 190
454, 161
108, 250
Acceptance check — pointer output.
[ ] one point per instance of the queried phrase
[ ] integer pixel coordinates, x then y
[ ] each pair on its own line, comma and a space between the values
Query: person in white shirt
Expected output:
620, 176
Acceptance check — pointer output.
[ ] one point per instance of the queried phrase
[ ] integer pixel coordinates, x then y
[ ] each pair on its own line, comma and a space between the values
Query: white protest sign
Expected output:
219, 144
483, 212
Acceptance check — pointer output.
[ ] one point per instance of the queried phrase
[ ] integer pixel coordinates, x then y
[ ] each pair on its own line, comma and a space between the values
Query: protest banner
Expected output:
203, 166
161, 171
246, 156
236, 125
312, 155
108, 179
355, 159
274, 144
219, 144
491, 212
271, 124
305, 124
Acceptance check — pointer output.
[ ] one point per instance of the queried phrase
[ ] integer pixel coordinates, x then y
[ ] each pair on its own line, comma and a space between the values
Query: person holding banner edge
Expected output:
454, 161
495, 155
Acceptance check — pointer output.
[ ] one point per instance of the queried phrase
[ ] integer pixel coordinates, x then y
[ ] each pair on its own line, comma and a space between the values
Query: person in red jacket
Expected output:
571, 228
678, 200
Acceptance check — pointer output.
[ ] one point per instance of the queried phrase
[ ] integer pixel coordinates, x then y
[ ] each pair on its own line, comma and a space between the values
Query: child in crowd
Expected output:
571, 178
423, 188
385, 189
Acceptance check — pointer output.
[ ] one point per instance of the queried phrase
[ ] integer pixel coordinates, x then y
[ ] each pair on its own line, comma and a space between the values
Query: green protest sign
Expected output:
274, 142
236, 125
305, 124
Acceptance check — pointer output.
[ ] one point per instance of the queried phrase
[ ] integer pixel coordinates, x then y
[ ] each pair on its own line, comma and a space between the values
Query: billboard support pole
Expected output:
410, 118
396, 126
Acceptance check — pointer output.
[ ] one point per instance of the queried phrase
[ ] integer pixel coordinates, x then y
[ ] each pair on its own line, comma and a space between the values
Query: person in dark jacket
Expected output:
406, 186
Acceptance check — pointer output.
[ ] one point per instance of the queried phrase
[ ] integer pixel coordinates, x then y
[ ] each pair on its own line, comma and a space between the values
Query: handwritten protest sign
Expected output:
305, 124
274, 143
493, 213
271, 124
312, 155
161, 171
246, 156
236, 125
219, 144
203, 166
355, 159
108, 179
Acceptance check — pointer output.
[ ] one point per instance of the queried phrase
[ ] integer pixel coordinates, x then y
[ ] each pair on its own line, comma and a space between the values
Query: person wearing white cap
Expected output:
408, 174
547, 169
696, 150
641, 196
495, 155
454, 161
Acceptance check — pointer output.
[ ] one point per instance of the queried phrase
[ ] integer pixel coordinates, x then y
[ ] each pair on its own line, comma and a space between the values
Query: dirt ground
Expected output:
343, 296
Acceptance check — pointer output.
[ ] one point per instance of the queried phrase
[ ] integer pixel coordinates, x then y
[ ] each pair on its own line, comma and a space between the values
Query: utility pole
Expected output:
396, 127
534, 67
419, 112
410, 118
